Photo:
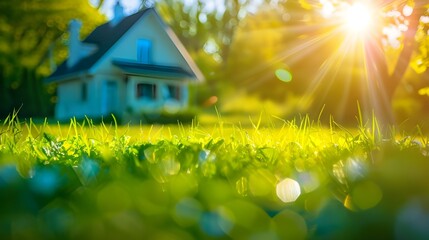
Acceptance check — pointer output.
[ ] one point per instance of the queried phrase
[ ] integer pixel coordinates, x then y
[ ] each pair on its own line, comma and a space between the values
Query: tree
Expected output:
28, 29
378, 74
254, 55
388, 82
206, 25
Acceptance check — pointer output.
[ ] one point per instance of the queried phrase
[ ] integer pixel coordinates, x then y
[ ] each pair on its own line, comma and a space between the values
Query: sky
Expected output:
130, 6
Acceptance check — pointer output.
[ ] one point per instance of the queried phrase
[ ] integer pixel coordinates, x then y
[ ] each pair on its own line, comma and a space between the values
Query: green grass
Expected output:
276, 179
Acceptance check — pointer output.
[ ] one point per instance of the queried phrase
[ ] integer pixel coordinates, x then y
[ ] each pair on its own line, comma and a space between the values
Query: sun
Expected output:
358, 18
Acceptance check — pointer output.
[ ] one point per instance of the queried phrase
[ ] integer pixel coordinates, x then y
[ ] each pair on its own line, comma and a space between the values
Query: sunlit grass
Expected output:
202, 181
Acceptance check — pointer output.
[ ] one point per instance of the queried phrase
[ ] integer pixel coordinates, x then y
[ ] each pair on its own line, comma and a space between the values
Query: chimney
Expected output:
118, 13
148, 4
74, 42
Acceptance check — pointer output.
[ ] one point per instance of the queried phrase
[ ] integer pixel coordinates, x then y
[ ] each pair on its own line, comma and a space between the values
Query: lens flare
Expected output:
283, 75
358, 17
288, 190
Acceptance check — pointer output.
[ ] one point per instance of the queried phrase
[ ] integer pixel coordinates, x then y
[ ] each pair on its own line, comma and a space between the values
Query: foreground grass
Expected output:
287, 180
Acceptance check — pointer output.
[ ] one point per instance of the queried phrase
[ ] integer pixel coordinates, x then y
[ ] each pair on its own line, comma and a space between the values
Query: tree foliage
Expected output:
256, 54
323, 66
28, 29
374, 77
297, 36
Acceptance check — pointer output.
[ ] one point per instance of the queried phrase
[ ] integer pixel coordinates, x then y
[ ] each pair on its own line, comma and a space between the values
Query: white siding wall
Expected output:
70, 102
99, 101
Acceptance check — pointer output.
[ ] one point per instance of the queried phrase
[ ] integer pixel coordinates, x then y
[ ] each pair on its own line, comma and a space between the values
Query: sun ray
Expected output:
298, 51
350, 69
295, 54
377, 98
331, 67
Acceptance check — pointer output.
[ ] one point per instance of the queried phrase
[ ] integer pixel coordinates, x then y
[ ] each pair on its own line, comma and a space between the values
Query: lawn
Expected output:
265, 178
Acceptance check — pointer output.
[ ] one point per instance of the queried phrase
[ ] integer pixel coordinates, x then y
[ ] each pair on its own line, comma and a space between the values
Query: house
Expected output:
131, 66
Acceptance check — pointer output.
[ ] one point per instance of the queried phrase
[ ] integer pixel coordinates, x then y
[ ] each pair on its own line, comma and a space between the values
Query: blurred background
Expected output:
285, 58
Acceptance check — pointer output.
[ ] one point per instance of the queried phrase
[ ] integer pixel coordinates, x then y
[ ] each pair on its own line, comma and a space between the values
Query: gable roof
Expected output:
138, 68
104, 37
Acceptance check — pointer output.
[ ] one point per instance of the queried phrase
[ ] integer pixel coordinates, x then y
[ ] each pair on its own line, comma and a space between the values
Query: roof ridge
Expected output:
104, 36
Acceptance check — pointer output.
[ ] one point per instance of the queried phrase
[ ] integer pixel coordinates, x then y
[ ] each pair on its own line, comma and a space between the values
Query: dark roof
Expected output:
151, 69
104, 36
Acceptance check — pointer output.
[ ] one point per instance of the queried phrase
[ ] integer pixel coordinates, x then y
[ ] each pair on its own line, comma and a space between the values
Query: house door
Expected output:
110, 97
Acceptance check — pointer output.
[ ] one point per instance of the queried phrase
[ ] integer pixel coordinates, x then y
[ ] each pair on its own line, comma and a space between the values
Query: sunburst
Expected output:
336, 51
358, 18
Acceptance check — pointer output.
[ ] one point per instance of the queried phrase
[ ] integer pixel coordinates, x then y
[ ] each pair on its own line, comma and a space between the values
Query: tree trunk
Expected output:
404, 59
382, 84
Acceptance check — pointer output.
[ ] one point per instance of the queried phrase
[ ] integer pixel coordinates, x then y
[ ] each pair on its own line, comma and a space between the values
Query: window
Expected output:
84, 92
146, 91
143, 50
174, 92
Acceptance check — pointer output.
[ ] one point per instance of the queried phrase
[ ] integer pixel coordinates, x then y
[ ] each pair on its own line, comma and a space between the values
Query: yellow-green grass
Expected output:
266, 178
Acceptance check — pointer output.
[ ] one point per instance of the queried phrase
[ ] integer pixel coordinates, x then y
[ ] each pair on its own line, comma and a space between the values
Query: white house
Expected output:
132, 65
